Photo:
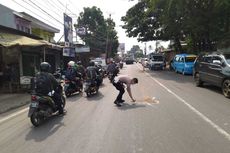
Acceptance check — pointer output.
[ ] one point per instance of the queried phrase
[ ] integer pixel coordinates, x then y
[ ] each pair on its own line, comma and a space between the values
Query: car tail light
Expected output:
67, 81
33, 97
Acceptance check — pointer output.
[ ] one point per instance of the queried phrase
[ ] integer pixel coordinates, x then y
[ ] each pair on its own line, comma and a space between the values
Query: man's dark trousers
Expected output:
119, 86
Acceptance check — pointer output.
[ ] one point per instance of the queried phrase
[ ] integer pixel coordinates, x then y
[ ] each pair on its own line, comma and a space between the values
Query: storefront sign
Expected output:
84, 49
81, 31
70, 52
25, 80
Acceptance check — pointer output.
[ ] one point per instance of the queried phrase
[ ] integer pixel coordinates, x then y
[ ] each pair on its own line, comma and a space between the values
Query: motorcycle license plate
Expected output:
34, 104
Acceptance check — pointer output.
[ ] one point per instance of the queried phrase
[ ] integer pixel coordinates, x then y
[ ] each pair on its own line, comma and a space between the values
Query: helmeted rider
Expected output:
92, 73
81, 69
46, 83
112, 69
72, 74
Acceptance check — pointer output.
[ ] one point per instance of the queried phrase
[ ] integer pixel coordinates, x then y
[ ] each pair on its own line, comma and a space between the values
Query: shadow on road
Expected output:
95, 97
74, 98
212, 88
171, 75
127, 106
103, 84
46, 129
180, 79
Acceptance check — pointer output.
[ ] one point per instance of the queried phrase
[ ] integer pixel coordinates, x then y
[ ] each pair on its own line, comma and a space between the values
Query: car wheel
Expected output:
226, 88
175, 70
198, 81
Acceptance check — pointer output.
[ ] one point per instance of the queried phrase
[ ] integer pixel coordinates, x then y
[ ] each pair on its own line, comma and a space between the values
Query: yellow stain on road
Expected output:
148, 99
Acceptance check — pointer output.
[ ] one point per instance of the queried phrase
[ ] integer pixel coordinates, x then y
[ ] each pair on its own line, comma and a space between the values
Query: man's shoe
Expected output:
122, 101
118, 105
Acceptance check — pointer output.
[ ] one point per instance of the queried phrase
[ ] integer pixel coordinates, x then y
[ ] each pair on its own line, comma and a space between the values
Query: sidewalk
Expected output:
12, 101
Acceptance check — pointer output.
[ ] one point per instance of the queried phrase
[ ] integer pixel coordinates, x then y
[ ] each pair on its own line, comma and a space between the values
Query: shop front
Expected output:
19, 61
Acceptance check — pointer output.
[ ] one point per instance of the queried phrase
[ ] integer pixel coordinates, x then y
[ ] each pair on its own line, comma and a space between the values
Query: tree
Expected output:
203, 24
112, 42
96, 28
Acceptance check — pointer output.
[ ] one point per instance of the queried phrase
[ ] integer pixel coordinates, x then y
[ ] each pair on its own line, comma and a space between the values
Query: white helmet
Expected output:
96, 63
71, 63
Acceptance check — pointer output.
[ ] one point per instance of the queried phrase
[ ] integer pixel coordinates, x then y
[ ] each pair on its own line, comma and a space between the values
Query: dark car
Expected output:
129, 61
214, 69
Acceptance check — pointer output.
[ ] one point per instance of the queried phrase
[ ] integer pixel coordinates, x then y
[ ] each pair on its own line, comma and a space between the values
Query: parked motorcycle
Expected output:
43, 107
71, 87
90, 87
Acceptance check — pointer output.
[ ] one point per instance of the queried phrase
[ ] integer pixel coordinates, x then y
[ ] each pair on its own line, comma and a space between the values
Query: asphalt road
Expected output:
171, 115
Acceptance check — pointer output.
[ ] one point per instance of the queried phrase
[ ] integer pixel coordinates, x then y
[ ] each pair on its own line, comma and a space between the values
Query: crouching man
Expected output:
120, 82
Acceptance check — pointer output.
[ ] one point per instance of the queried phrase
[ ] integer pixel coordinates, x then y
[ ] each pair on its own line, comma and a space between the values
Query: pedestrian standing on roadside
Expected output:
120, 82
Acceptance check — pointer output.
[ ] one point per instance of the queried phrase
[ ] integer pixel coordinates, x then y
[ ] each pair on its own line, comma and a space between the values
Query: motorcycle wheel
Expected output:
97, 90
87, 94
68, 94
35, 119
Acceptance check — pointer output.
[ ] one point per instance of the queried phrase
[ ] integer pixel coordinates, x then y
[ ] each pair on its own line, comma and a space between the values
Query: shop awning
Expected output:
9, 40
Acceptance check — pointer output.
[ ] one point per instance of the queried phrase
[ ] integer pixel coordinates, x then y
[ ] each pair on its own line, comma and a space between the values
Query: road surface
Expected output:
170, 115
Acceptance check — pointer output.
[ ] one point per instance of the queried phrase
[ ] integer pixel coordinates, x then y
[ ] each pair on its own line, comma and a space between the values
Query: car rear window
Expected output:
157, 58
190, 58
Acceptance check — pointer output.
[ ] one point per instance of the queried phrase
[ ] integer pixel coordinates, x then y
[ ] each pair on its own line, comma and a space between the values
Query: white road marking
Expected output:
206, 119
13, 115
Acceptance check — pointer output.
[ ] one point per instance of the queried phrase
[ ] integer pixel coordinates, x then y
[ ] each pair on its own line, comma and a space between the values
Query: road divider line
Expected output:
13, 115
206, 119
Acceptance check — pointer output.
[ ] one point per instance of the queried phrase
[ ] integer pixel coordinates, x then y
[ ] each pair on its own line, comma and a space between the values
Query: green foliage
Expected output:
203, 24
97, 29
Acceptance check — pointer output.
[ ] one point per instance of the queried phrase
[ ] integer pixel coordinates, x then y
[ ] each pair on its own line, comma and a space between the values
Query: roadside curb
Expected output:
7, 109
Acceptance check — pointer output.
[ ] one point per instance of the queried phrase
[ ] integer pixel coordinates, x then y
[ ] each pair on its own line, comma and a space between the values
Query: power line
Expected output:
35, 7
74, 6
43, 11
55, 5
32, 12
46, 12
48, 8
66, 7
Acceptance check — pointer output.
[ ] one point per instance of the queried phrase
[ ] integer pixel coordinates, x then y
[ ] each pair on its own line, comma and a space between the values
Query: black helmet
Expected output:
45, 67
91, 63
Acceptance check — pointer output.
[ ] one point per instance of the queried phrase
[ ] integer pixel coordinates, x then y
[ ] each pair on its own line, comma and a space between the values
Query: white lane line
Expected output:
215, 126
13, 115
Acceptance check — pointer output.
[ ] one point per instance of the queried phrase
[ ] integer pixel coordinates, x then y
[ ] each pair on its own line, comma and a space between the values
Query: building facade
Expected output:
21, 61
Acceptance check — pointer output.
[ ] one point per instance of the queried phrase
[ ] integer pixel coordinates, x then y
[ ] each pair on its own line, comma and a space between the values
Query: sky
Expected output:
53, 10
